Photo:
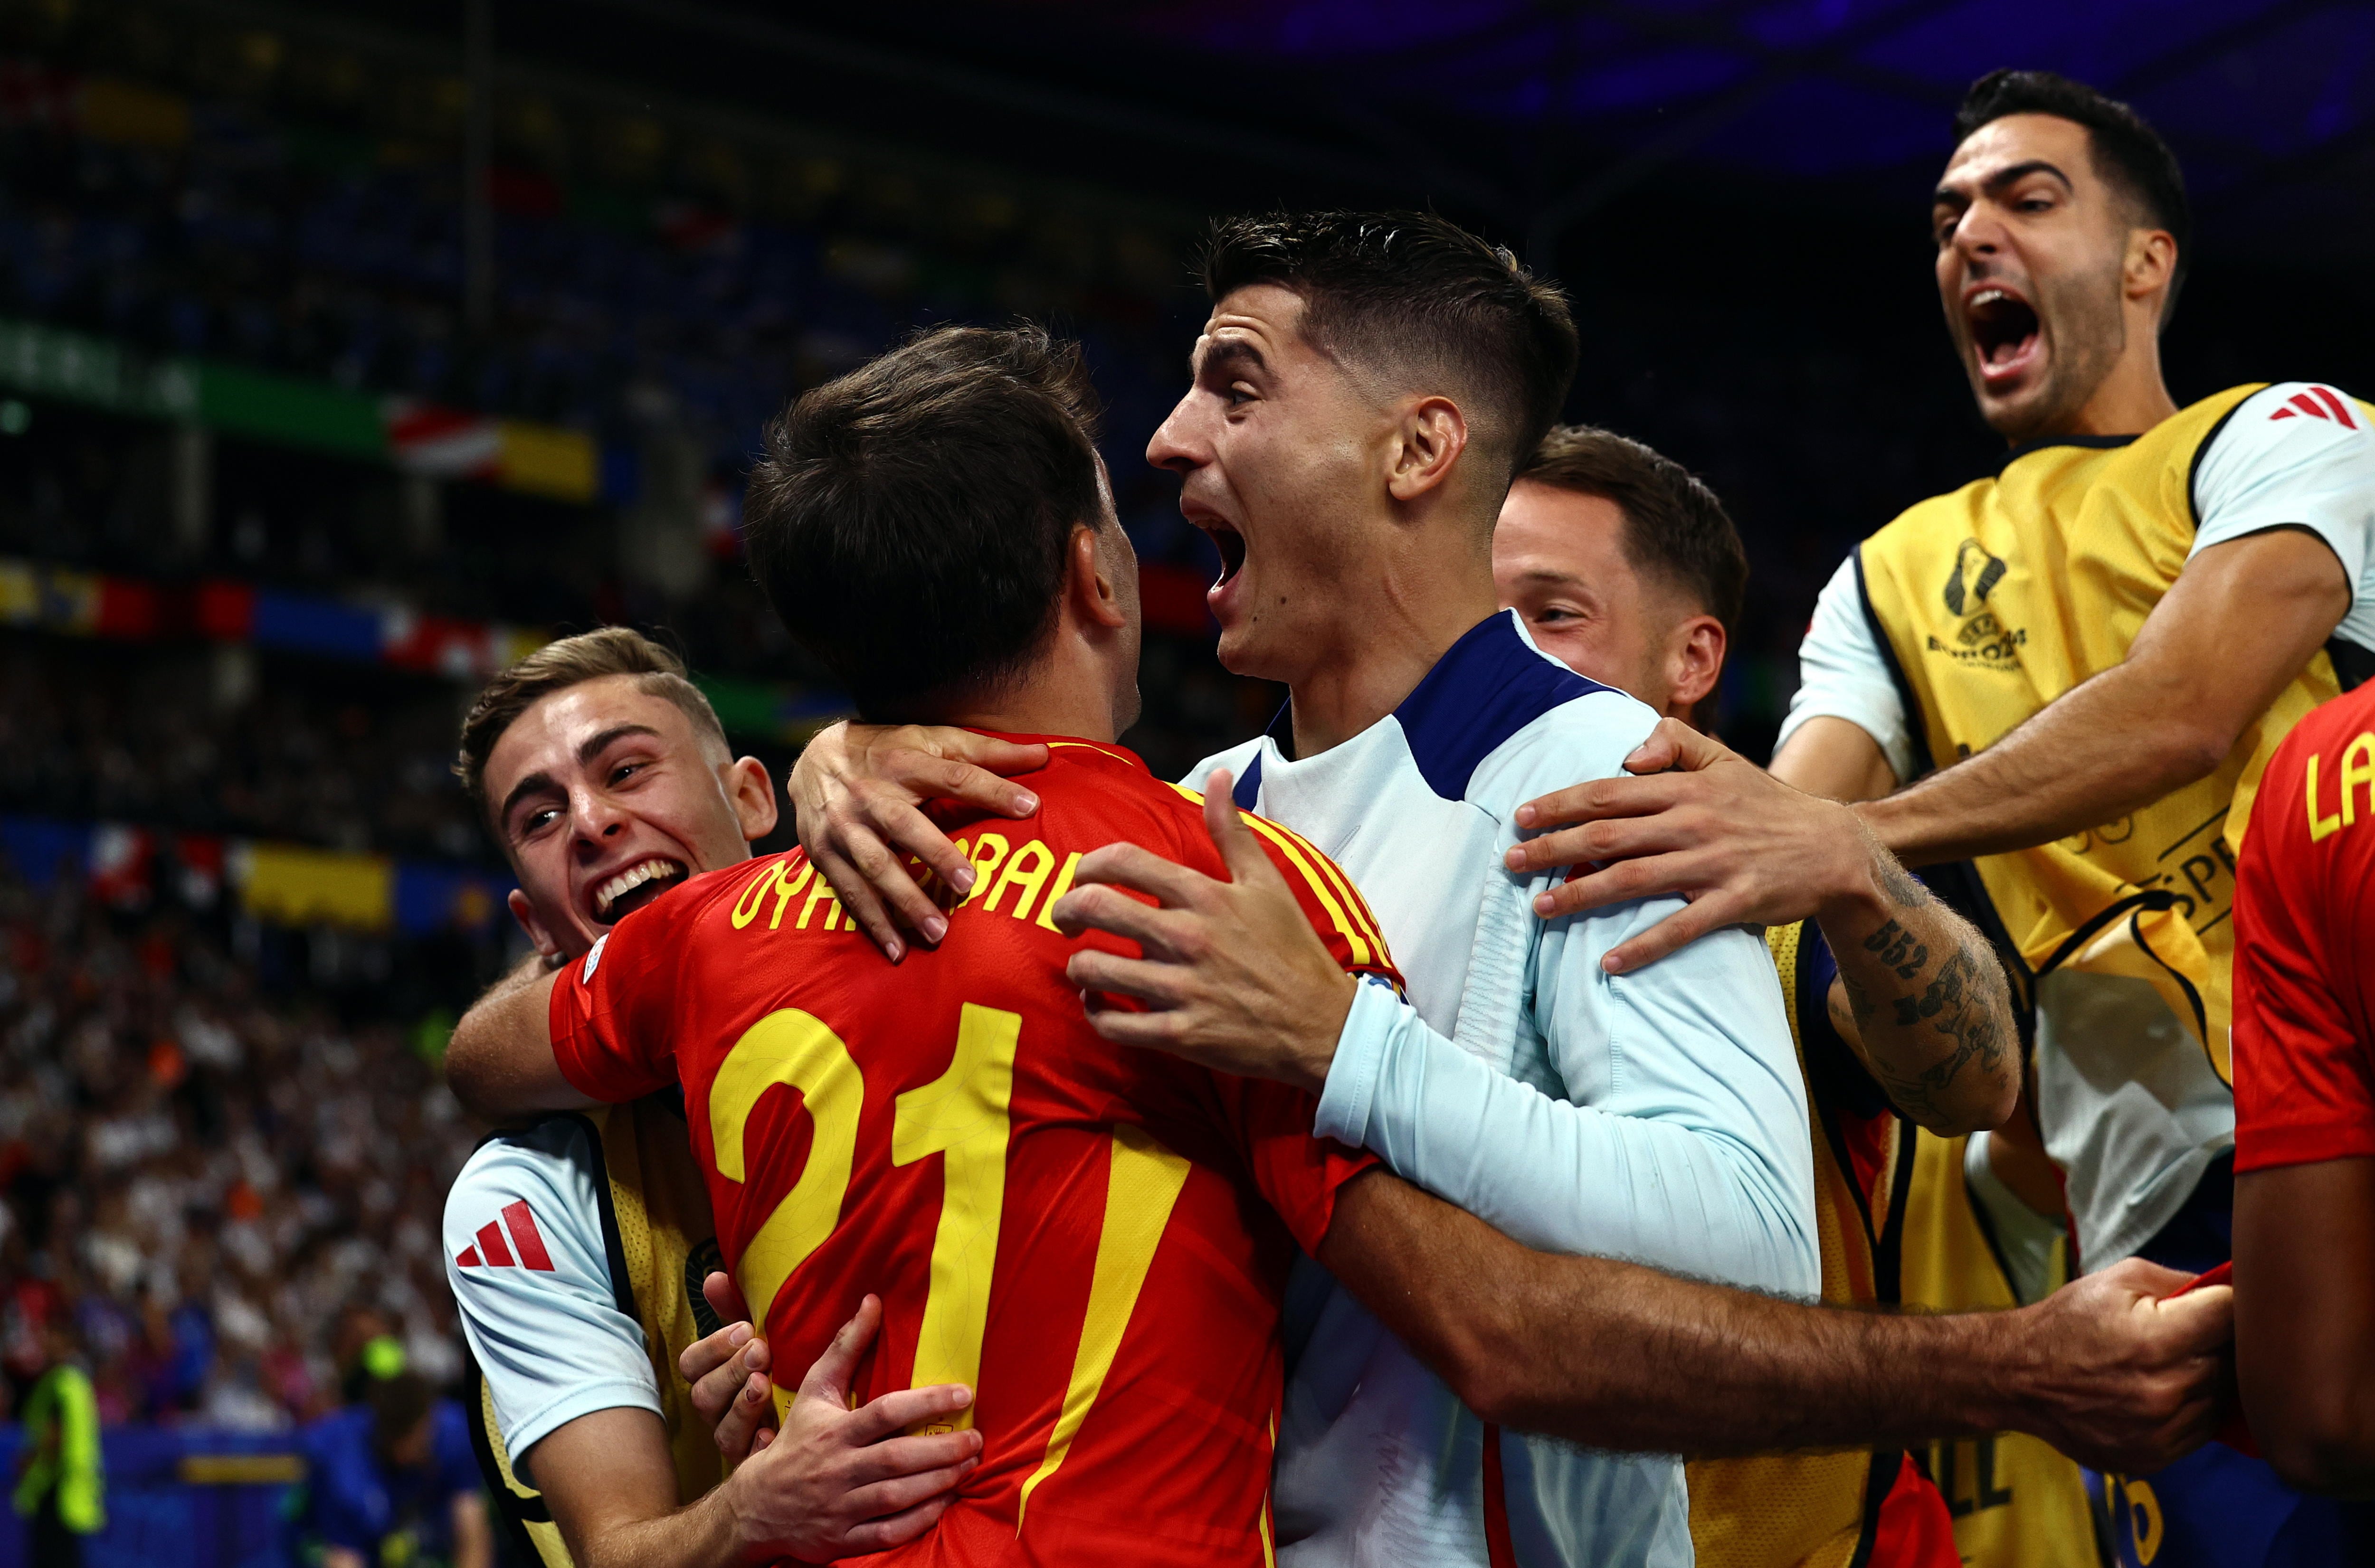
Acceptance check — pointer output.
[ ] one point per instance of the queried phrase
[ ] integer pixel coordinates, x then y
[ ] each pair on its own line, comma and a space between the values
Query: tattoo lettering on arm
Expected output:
1896, 949
1953, 1004
1927, 1000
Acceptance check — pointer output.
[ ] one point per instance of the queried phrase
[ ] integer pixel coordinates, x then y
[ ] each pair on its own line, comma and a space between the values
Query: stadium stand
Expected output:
214, 1172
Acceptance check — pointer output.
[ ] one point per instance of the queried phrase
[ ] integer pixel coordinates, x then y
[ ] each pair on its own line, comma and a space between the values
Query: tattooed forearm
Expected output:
1953, 1006
1896, 949
1932, 1016
1901, 885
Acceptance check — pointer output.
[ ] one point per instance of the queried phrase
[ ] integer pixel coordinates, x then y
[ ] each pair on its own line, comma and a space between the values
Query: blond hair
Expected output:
572, 661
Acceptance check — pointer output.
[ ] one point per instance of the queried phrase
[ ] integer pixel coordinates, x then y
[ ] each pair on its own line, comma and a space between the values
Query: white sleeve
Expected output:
1661, 1114
525, 1258
1842, 674
2295, 455
1694, 1156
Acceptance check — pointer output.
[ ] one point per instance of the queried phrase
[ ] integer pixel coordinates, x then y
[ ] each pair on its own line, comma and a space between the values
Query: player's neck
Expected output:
2131, 400
1044, 701
1386, 628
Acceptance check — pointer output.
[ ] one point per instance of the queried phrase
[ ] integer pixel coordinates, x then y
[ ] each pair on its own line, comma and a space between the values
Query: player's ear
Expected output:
1432, 434
525, 912
2151, 262
1695, 660
751, 790
1094, 584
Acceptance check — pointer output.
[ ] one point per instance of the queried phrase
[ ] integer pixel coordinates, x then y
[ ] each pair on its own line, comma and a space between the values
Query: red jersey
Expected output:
2304, 947
1096, 1238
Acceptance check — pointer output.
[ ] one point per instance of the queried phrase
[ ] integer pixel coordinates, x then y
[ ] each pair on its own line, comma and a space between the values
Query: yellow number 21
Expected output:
962, 1116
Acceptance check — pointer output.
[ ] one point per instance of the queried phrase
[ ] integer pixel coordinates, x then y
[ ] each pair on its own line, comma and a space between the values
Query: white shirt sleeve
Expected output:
1694, 1158
1843, 674
1672, 1128
525, 1258
2296, 455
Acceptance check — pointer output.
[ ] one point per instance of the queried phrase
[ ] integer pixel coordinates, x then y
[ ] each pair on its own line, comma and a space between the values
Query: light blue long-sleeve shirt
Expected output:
1657, 1116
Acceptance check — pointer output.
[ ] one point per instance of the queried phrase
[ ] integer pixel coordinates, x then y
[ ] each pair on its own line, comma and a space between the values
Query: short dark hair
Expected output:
556, 666
1410, 291
910, 520
398, 1406
2128, 154
1674, 527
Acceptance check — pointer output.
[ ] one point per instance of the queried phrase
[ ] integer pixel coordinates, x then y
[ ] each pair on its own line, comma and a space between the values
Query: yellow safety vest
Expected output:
61, 1418
1996, 599
661, 1240
2015, 1502
1814, 1509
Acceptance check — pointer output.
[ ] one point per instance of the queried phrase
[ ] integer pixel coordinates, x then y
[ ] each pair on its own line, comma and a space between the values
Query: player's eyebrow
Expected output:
1555, 579
1226, 351
535, 783
2002, 179
595, 745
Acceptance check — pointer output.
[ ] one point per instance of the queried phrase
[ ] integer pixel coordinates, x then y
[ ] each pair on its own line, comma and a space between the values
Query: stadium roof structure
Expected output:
2271, 103
1537, 115
1542, 112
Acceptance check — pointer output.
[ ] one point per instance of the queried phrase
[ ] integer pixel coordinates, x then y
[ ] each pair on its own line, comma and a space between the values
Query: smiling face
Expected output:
604, 797
2032, 248
1280, 456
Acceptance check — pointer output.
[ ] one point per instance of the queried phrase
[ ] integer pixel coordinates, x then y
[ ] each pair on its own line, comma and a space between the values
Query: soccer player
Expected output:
1344, 532
2072, 673
575, 1245
61, 1488
1624, 566
2305, 1109
1626, 570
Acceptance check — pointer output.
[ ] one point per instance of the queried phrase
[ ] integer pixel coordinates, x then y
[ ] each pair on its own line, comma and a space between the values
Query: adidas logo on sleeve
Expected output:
527, 1248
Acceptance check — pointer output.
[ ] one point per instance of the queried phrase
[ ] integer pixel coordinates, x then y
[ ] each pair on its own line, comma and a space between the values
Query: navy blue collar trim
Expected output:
1486, 687
1248, 788
1249, 785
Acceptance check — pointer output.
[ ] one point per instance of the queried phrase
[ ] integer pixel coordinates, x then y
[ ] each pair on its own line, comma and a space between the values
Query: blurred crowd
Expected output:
285, 200
222, 1195
211, 745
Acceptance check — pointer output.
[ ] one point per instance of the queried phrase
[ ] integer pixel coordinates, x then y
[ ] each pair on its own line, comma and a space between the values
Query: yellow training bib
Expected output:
1994, 600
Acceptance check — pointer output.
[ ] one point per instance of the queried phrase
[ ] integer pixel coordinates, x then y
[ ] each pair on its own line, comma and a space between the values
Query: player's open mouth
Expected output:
1232, 546
636, 886
2003, 330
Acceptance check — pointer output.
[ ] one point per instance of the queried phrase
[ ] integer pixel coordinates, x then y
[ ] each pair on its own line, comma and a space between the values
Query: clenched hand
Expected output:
2130, 1377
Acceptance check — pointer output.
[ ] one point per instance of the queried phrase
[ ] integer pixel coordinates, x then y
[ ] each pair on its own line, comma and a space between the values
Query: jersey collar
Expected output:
2041, 442
1489, 685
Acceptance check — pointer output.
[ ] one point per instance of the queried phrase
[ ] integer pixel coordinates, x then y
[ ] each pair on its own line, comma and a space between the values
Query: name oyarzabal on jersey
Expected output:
1096, 1240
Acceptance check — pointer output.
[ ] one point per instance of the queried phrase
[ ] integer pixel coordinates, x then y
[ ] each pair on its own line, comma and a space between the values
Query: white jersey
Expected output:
1657, 1116
2139, 1123
532, 1275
